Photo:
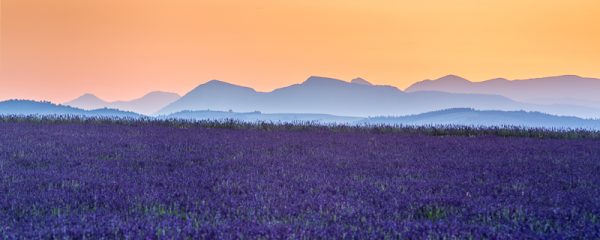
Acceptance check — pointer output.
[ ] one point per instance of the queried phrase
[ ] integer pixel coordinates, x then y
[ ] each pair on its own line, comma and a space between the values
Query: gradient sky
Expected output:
120, 49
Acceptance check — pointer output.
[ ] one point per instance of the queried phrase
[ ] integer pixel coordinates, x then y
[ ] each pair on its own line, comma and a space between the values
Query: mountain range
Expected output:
147, 104
567, 95
357, 98
566, 89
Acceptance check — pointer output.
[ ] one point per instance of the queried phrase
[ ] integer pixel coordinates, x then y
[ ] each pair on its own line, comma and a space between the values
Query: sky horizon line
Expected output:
182, 93
124, 48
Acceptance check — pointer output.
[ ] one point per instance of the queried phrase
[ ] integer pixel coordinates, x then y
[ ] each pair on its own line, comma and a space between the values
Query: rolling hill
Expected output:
27, 107
471, 117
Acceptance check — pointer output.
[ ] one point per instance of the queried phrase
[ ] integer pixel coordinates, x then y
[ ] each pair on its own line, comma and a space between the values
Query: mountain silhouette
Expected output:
567, 89
28, 107
336, 97
147, 104
361, 81
471, 117
88, 101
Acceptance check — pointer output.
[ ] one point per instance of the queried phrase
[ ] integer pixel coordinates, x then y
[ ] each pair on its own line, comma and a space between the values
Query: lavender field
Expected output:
149, 180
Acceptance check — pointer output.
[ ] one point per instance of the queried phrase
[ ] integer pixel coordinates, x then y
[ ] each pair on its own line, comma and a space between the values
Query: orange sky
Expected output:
120, 49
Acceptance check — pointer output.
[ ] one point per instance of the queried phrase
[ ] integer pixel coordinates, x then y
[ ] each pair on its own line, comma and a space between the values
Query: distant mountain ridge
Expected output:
28, 107
567, 95
471, 117
336, 97
456, 117
361, 81
147, 104
566, 89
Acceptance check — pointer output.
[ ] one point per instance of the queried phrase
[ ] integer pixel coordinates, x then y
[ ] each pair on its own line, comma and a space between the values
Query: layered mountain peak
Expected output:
87, 101
216, 82
147, 104
452, 78
562, 90
361, 81
564, 79
157, 94
449, 83
215, 85
212, 95
317, 80
498, 80
89, 97
569, 76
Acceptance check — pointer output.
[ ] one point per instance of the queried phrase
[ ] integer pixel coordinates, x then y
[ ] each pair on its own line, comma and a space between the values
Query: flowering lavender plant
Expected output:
145, 179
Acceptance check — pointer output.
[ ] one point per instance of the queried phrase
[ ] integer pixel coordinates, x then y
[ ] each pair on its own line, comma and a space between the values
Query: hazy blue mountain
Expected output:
147, 104
265, 117
470, 117
87, 101
27, 107
216, 95
336, 97
361, 81
567, 89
